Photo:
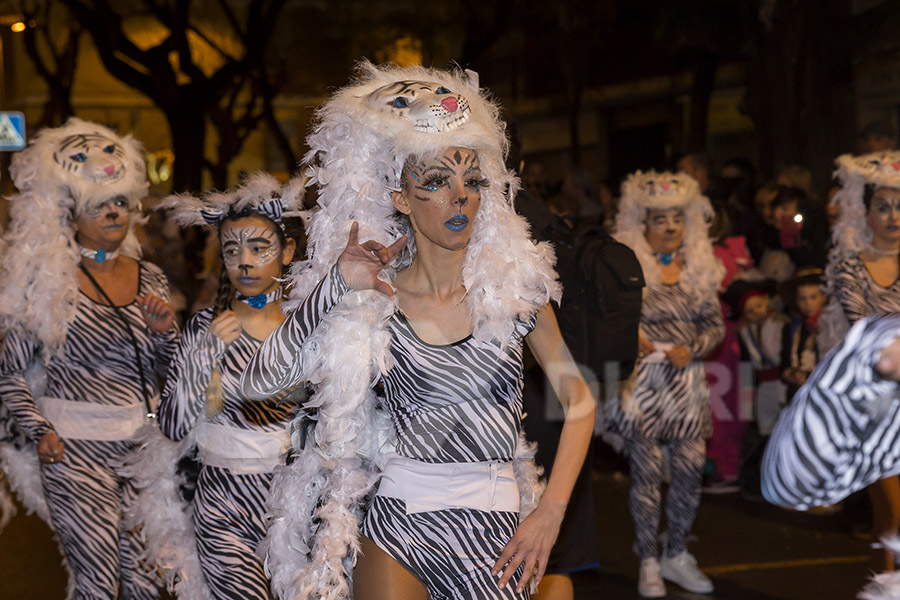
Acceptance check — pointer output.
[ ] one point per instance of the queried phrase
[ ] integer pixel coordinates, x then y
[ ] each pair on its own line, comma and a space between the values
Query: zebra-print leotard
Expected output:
84, 492
229, 505
841, 431
670, 403
860, 295
455, 403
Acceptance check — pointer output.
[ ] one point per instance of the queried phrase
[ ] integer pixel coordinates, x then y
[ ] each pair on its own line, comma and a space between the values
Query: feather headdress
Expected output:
364, 136
259, 192
643, 192
852, 235
62, 172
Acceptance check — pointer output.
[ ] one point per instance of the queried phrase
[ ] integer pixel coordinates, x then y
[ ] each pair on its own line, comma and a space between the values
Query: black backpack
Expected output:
608, 293
602, 288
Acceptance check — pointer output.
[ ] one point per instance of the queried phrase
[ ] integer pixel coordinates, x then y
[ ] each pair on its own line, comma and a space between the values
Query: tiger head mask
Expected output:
81, 164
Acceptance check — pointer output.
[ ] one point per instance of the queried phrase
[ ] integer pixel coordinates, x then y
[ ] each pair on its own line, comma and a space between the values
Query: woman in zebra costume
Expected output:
240, 442
87, 329
434, 306
841, 431
663, 218
863, 277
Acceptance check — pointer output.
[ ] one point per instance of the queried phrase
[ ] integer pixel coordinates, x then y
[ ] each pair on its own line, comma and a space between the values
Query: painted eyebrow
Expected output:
440, 167
471, 169
260, 239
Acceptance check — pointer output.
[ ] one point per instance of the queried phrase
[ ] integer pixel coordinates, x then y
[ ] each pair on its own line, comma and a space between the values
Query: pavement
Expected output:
751, 550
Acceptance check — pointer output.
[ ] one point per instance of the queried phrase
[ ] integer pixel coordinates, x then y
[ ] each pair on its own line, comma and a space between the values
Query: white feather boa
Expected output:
39, 269
160, 513
356, 159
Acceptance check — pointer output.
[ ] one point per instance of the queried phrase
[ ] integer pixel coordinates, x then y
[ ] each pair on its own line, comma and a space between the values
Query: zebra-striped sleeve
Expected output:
841, 431
276, 366
710, 328
163, 343
16, 354
184, 397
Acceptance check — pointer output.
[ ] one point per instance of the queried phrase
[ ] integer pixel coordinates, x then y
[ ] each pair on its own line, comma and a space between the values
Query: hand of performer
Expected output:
50, 448
530, 546
360, 264
679, 356
888, 364
645, 347
158, 314
226, 327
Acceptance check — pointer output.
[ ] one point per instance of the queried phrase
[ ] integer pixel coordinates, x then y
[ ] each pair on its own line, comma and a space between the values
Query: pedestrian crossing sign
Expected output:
12, 131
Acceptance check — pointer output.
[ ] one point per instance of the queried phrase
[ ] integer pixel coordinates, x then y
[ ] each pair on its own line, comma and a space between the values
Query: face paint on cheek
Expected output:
268, 256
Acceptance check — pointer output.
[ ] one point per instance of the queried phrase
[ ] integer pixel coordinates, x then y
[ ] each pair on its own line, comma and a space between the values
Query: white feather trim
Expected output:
7, 505
886, 585
851, 235
255, 189
642, 192
38, 273
160, 513
23, 474
356, 158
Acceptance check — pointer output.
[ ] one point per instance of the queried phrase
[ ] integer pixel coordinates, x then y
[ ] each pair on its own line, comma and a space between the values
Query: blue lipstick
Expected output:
457, 223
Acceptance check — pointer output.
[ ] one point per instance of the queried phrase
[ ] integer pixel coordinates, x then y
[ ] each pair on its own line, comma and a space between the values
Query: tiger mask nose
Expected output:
109, 169
450, 104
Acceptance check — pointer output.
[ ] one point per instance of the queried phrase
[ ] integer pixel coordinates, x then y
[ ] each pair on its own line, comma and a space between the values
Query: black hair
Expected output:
869, 193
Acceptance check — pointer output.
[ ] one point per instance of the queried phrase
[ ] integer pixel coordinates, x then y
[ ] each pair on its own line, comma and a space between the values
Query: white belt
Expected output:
90, 421
241, 451
486, 486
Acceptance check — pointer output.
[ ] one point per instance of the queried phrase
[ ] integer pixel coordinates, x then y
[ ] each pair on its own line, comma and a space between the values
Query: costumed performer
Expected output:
240, 441
434, 307
664, 219
841, 431
863, 278
76, 301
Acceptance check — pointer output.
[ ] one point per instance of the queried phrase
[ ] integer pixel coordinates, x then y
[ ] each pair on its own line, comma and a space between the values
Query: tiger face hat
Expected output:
63, 172
652, 190
81, 164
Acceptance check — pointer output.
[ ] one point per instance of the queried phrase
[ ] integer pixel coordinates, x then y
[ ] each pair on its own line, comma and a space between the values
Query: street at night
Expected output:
752, 551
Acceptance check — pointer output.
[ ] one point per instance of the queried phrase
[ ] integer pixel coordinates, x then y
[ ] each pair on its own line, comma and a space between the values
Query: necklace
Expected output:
260, 300
665, 258
99, 256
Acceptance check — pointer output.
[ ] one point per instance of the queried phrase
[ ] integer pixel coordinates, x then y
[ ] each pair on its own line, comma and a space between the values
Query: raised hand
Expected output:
226, 327
360, 264
158, 314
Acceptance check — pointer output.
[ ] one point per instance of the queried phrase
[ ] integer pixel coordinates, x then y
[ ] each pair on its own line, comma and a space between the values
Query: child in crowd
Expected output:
799, 353
760, 335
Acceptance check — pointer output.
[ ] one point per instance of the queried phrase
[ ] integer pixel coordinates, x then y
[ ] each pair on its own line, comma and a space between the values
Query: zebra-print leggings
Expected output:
686, 460
86, 497
229, 524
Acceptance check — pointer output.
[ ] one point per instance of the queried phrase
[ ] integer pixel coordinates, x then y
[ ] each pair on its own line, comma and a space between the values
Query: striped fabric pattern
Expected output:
841, 431
860, 295
84, 493
278, 365
459, 402
451, 551
670, 403
228, 508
